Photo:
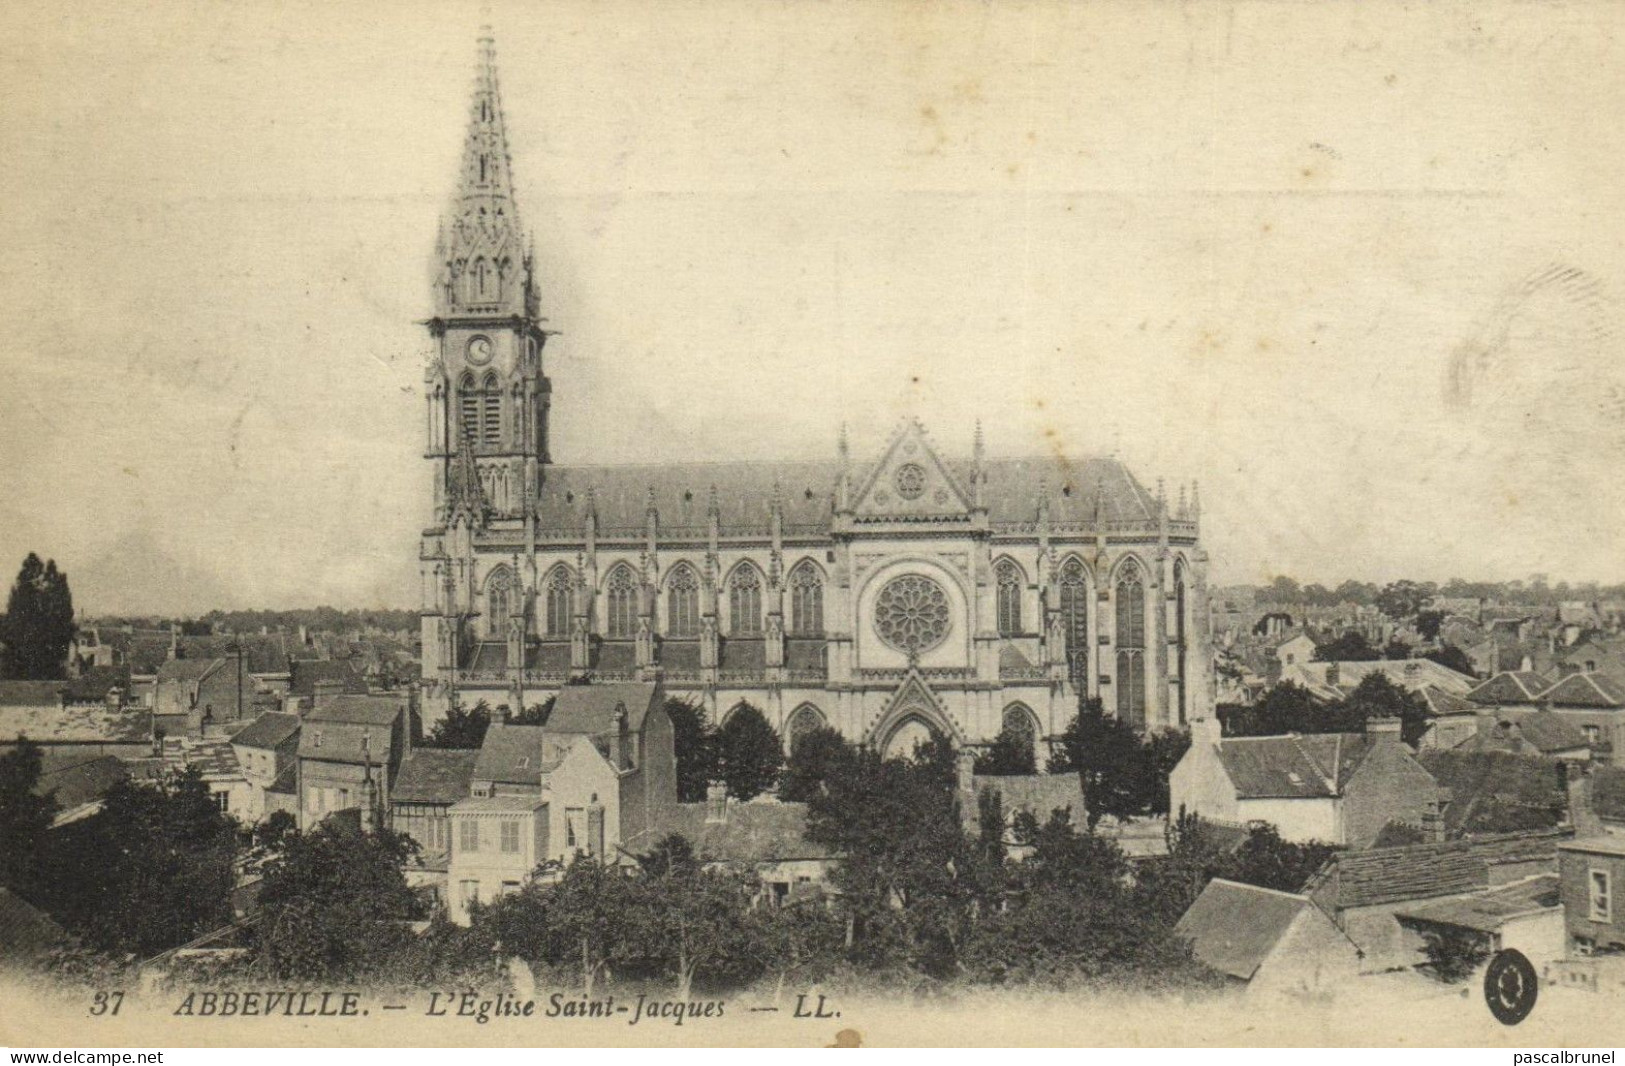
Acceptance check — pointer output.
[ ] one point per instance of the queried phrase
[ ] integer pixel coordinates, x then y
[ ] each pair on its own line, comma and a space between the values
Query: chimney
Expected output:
1412, 670
324, 691
1433, 822
965, 764
1334, 674
1581, 814
716, 803
1383, 727
617, 738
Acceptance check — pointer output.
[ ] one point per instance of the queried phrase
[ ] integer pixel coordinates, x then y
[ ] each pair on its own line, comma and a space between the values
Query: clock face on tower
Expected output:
479, 351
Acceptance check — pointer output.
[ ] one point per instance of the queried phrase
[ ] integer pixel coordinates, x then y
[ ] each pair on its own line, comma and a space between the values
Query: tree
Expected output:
25, 817
907, 881
1264, 859
687, 922
1105, 753
585, 915
1351, 647
669, 853
150, 871
1396, 649
749, 753
1285, 708
461, 729
815, 756
1401, 600
1377, 697
1428, 624
38, 623
1010, 753
1452, 657
334, 906
1454, 954
1283, 590
1163, 750
695, 748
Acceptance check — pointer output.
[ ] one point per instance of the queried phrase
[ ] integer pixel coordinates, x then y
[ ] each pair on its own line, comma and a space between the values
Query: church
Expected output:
893, 596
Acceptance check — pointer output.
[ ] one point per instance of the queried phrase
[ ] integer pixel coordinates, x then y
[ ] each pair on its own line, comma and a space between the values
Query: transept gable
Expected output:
911, 483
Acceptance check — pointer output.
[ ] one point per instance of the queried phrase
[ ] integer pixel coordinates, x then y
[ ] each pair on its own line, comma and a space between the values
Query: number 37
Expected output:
106, 1003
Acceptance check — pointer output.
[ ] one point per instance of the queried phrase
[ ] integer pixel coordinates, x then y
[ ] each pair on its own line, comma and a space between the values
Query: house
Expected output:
1367, 892
267, 750
1510, 688
1596, 704
763, 836
197, 697
1339, 788
216, 761
1413, 675
310, 678
1452, 718
1591, 870
40, 711
1036, 794
510, 761
430, 781
348, 750
1524, 916
627, 723
1270, 943
1529, 732
497, 842
79, 782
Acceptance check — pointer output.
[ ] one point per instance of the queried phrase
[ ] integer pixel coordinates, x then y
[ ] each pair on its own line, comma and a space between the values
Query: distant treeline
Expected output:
319, 619
1284, 590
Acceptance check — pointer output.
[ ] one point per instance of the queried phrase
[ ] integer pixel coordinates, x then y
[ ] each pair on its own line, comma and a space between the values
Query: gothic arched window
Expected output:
1130, 595
491, 411
806, 599
482, 269
498, 602
1009, 598
1075, 619
468, 410
561, 605
806, 719
683, 603
621, 603
1019, 721
745, 602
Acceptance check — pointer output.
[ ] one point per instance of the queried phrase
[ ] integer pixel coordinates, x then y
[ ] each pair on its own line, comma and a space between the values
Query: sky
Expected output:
1354, 267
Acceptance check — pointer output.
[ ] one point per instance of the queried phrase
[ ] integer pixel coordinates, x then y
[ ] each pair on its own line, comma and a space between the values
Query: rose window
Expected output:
910, 481
911, 613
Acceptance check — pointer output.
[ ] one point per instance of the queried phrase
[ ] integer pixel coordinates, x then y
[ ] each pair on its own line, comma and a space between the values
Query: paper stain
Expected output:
847, 1038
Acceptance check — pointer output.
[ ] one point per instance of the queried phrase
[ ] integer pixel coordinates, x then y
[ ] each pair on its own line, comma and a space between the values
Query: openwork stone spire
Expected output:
484, 256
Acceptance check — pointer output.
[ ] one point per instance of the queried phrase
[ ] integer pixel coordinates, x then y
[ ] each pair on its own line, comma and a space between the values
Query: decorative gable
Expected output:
910, 483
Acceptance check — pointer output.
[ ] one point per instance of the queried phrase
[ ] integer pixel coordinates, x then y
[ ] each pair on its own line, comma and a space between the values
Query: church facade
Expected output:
891, 596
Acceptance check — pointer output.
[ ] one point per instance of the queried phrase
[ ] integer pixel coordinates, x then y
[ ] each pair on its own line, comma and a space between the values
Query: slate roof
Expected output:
86, 723
1424, 871
265, 653
435, 775
26, 932
1038, 793
512, 754
616, 657
1541, 732
680, 654
1585, 690
551, 655
1510, 687
497, 804
745, 490
97, 682
1488, 911
1440, 703
1233, 927
307, 672
267, 731
754, 832
77, 780
215, 758
1409, 674
803, 654
742, 654
590, 709
31, 693
358, 710
1293, 766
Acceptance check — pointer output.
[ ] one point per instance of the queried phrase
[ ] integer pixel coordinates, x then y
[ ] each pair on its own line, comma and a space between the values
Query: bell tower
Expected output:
487, 397
486, 390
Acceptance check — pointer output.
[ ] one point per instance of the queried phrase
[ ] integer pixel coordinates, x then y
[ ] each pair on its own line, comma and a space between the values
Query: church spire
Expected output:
485, 258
